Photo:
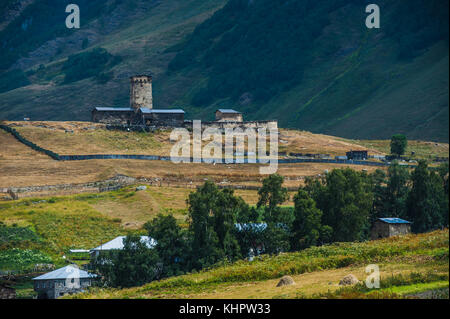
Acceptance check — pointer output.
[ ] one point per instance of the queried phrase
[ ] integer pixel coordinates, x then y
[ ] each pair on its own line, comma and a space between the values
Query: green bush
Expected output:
22, 259
13, 79
10, 236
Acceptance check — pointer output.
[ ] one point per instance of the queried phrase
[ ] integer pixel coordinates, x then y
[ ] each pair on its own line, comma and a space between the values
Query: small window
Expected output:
72, 280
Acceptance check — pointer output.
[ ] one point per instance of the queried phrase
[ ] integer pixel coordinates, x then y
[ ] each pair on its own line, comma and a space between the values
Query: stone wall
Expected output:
382, 230
231, 117
399, 229
164, 119
113, 117
242, 125
116, 182
52, 289
7, 292
379, 230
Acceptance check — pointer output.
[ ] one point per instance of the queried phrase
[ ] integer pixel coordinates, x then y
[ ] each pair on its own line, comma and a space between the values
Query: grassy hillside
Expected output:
408, 264
136, 33
311, 65
315, 66
21, 166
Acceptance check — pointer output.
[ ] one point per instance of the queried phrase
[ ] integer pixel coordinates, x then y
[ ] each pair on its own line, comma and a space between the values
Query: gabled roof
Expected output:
148, 111
117, 243
394, 220
228, 111
66, 272
113, 109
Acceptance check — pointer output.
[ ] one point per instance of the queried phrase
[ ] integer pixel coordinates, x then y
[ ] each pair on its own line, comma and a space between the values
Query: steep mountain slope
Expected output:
135, 34
314, 65
310, 64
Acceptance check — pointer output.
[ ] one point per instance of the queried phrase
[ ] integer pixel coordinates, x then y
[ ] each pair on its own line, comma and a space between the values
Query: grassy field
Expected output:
408, 265
77, 138
422, 149
21, 166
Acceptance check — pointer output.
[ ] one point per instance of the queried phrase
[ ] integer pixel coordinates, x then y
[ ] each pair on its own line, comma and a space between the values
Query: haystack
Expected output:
348, 280
286, 281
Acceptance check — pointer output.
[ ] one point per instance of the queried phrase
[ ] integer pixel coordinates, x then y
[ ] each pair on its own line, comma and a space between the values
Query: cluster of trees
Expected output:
398, 144
341, 206
89, 64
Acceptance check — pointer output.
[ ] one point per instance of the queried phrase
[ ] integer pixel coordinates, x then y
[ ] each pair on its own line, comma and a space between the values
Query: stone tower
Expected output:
141, 92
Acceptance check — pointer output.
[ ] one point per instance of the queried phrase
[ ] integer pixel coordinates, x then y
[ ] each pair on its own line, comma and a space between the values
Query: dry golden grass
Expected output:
93, 138
21, 166
307, 142
306, 284
316, 270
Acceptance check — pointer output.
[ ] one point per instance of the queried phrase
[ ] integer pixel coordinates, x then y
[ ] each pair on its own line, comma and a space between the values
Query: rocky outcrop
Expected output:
349, 280
285, 281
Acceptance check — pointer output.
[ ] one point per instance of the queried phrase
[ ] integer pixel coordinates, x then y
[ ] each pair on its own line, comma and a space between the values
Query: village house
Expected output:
387, 227
67, 280
228, 115
357, 155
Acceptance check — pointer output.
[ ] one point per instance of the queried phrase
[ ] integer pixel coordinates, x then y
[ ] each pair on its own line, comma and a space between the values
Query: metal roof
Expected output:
114, 109
228, 111
79, 251
117, 243
256, 227
394, 220
66, 272
148, 111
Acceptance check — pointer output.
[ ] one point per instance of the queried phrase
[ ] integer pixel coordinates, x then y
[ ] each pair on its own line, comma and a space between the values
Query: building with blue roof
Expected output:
390, 226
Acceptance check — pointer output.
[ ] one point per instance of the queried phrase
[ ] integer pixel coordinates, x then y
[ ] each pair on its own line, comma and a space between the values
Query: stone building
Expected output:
228, 115
140, 111
387, 227
113, 115
357, 155
7, 291
141, 92
67, 280
155, 117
